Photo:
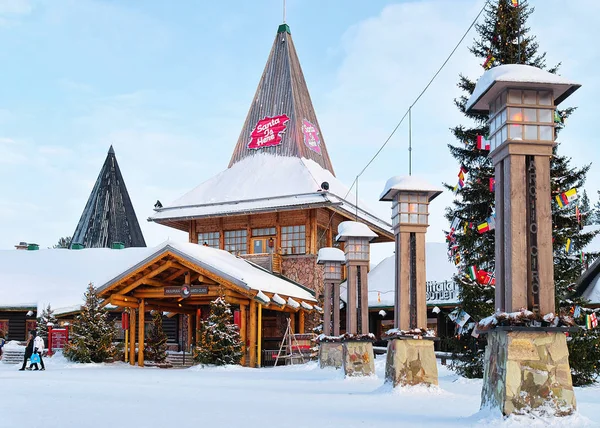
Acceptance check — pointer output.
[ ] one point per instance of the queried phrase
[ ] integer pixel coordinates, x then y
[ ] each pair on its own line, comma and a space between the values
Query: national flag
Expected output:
515, 3
578, 214
461, 184
557, 117
455, 189
465, 224
491, 221
457, 259
455, 223
591, 321
472, 273
577, 312
481, 276
461, 175
483, 143
560, 201
464, 169
490, 278
568, 246
492, 184
570, 195
483, 227
489, 61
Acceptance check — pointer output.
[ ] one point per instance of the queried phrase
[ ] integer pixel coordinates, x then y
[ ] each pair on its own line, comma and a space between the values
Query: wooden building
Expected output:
279, 201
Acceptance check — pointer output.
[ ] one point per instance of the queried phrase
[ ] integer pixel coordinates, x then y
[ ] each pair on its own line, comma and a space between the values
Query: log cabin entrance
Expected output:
183, 278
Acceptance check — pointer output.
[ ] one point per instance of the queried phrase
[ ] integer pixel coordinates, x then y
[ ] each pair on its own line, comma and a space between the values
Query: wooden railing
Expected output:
269, 261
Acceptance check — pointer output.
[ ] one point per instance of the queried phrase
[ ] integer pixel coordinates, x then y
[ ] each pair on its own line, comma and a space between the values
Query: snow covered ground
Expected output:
96, 395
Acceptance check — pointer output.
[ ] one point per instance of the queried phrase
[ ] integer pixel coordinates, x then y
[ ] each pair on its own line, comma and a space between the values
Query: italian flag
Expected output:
473, 273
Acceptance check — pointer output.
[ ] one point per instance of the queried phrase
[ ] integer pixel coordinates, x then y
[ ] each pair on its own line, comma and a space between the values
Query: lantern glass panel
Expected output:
515, 114
514, 96
530, 97
545, 98
531, 132
516, 132
545, 116
546, 133
333, 271
530, 114
357, 249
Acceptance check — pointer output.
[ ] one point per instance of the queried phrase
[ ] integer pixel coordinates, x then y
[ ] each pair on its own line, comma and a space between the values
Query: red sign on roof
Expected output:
267, 132
311, 136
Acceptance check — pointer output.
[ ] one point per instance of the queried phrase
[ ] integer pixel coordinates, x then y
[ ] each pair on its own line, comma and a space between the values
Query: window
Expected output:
267, 231
235, 241
293, 239
211, 239
4, 329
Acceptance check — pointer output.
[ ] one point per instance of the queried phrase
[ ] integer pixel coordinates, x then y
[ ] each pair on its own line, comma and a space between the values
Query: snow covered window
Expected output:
235, 241
293, 239
210, 239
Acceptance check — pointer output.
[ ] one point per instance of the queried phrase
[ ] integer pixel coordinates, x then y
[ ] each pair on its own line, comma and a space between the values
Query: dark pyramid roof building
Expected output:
282, 95
108, 216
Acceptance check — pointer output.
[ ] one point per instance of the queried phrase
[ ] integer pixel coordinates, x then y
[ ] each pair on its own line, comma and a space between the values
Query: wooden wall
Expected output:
16, 324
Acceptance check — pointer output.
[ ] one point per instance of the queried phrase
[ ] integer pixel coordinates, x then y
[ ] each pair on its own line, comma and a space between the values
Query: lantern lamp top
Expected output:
354, 229
497, 79
408, 183
330, 254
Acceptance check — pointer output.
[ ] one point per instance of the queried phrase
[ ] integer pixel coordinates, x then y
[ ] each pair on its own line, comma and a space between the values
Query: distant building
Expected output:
108, 218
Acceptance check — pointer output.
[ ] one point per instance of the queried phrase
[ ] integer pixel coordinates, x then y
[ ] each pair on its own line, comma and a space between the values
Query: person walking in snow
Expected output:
38, 348
28, 351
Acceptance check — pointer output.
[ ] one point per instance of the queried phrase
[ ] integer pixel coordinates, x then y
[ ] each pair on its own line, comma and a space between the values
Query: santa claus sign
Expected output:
267, 132
311, 136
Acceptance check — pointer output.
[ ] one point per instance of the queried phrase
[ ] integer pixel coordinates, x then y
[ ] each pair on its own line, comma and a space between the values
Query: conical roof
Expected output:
108, 216
281, 119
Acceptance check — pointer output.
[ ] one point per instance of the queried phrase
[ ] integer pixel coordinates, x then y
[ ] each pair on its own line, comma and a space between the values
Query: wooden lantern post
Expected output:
333, 259
410, 198
357, 256
520, 101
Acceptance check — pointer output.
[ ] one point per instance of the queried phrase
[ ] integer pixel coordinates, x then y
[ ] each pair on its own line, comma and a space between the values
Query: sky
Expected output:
169, 85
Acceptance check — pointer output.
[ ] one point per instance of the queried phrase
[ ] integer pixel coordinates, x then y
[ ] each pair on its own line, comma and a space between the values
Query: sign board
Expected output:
440, 293
267, 132
57, 338
311, 136
186, 290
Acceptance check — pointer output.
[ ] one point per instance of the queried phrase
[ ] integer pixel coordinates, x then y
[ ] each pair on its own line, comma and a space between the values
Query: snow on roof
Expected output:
263, 297
408, 182
517, 75
348, 229
330, 254
264, 182
222, 263
292, 303
58, 277
439, 270
278, 300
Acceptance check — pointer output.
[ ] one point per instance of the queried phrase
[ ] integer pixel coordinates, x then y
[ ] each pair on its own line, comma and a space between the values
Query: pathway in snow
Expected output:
96, 395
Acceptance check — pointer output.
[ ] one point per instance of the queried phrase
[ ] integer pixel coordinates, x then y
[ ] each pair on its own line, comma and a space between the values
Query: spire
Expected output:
108, 216
281, 119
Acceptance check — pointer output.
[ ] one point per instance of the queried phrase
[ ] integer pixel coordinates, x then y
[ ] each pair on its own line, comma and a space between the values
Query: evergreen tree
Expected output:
585, 210
63, 242
503, 39
596, 211
218, 338
42, 322
156, 342
92, 334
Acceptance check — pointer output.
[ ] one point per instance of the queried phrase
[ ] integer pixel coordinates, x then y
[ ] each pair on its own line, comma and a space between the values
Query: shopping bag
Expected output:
35, 359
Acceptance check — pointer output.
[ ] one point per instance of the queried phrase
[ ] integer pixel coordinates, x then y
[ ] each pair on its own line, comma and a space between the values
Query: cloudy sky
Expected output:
169, 84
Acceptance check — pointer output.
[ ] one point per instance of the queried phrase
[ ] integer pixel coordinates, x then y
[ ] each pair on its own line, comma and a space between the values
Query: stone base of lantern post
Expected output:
331, 354
358, 357
411, 362
527, 370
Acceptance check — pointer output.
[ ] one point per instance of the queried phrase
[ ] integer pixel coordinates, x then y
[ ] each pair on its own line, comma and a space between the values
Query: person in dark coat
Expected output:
28, 351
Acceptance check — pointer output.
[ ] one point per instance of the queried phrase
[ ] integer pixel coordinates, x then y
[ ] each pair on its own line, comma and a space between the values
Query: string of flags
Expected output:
483, 143
591, 321
565, 198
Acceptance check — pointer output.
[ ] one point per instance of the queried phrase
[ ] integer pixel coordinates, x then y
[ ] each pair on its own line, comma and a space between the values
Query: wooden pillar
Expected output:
421, 281
253, 328
301, 322
141, 334
544, 235
243, 333
221, 234
193, 232
500, 294
259, 337
402, 304
351, 303
189, 335
327, 309
132, 319
248, 235
293, 322
336, 309
364, 298
515, 233
329, 236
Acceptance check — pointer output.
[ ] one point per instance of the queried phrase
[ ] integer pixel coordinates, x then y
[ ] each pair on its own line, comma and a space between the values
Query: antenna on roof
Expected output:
284, 11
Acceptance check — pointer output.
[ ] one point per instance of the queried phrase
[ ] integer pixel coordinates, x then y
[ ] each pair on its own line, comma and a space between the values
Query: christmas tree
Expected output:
596, 211
156, 342
503, 39
218, 338
42, 322
92, 334
585, 209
